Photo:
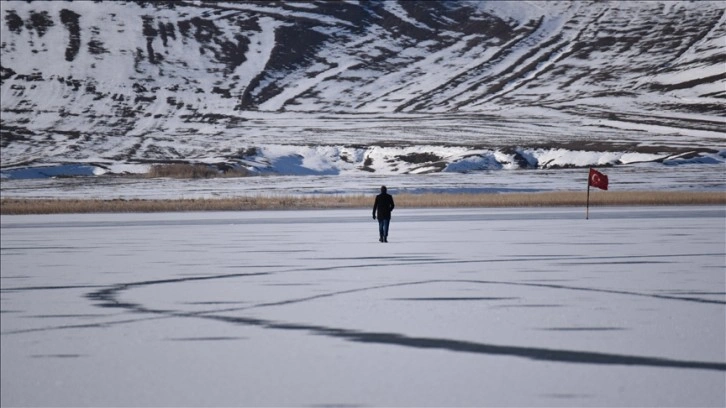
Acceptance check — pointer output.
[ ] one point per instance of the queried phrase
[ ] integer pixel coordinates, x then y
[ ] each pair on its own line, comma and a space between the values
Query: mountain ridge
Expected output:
131, 82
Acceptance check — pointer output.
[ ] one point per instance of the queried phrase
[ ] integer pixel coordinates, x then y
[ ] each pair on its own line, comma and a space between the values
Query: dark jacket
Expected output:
384, 205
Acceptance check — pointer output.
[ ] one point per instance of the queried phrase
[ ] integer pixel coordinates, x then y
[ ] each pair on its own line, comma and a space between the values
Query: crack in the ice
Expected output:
108, 297
533, 353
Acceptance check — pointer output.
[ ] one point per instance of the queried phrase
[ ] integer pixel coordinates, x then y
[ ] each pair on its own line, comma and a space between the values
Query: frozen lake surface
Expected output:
474, 307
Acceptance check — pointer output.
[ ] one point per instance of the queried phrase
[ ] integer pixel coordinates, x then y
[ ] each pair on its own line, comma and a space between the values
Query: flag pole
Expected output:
587, 210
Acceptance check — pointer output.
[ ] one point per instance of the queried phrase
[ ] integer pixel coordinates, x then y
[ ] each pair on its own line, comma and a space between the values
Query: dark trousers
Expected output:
383, 224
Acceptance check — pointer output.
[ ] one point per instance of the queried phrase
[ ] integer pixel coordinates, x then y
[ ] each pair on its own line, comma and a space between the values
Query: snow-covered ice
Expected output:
474, 307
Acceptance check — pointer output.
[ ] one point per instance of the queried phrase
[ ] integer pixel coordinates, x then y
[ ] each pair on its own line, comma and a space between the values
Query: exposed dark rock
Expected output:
70, 20
419, 158
5, 73
14, 22
40, 22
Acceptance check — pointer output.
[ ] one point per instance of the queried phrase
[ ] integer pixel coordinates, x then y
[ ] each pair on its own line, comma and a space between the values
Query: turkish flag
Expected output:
598, 180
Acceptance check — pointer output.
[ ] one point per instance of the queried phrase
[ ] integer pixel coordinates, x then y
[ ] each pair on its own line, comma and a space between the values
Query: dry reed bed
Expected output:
10, 206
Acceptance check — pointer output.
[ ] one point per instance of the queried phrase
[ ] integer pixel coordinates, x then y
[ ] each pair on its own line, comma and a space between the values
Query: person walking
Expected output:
382, 209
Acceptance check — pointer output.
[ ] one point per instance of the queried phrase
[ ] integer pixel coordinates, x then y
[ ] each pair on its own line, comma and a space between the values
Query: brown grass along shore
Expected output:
14, 206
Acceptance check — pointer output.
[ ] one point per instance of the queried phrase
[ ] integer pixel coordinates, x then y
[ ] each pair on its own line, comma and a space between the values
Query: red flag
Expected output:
598, 180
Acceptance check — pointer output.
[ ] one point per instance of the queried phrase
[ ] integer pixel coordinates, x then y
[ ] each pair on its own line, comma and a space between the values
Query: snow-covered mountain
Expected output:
386, 86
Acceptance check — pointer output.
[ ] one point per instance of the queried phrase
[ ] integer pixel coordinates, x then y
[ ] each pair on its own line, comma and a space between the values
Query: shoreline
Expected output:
21, 206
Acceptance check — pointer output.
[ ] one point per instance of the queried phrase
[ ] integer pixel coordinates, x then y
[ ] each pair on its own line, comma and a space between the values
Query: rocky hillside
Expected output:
130, 82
